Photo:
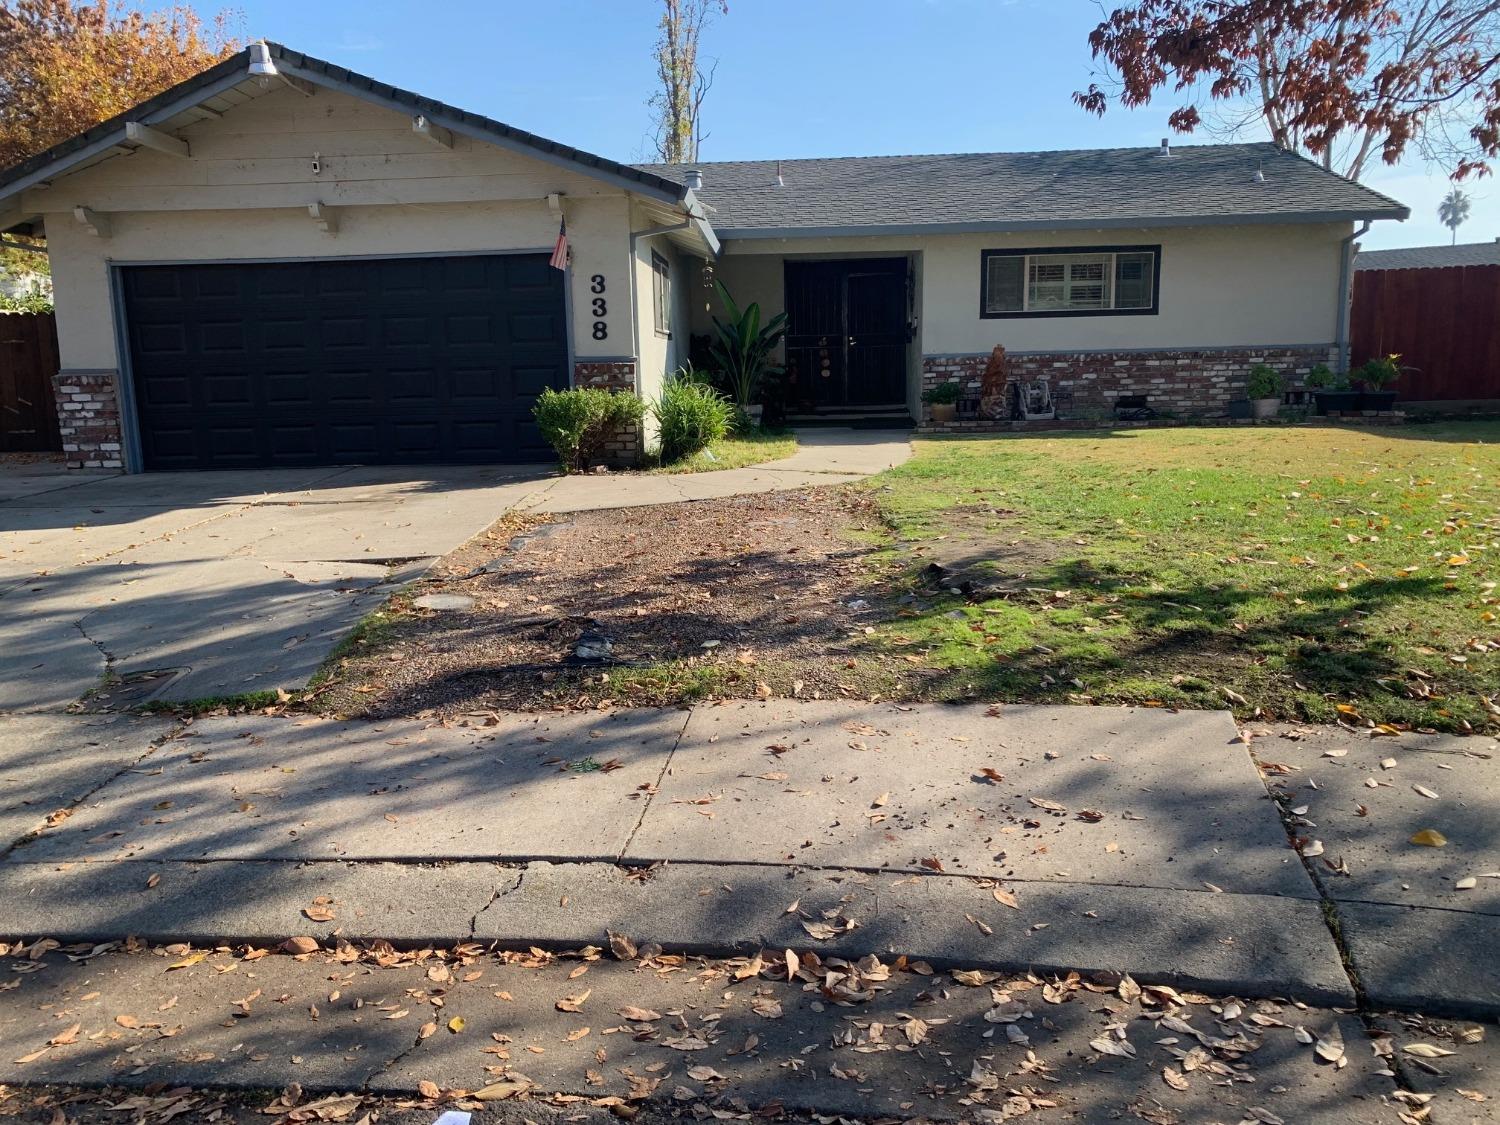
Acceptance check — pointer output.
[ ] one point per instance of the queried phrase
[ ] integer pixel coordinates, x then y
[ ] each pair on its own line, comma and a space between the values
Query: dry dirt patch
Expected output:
709, 598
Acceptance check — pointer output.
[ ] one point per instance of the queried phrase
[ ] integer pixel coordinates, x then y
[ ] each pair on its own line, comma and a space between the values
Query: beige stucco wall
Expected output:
1220, 287
244, 192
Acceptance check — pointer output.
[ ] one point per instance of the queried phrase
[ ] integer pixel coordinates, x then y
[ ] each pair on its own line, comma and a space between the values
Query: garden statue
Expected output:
992, 398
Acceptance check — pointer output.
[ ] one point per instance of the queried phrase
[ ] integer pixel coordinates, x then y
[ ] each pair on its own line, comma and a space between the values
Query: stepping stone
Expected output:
444, 601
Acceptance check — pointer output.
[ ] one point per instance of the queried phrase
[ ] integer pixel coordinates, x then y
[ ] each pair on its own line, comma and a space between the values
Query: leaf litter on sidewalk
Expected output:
661, 1026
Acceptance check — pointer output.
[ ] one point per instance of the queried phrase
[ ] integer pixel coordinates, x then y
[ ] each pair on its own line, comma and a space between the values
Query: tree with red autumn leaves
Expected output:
1339, 80
66, 66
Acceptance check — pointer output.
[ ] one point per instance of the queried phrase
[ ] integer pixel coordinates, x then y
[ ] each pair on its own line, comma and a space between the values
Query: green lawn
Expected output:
1302, 571
737, 451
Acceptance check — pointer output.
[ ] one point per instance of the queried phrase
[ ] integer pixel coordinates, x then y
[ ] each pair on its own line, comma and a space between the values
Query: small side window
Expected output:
661, 294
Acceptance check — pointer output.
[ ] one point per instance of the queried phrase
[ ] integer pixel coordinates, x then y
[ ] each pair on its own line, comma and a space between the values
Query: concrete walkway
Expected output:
823, 457
201, 585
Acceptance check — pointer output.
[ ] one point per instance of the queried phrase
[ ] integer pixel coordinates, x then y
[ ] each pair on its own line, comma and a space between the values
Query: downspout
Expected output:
1346, 283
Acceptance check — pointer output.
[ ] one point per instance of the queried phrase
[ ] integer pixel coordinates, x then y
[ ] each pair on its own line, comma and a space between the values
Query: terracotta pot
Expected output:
943, 412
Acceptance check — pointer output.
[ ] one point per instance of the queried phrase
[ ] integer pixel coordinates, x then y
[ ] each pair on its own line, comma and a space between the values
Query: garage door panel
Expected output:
288, 389
162, 339
345, 390
334, 280
414, 389
407, 332
228, 390
532, 327
165, 391
353, 361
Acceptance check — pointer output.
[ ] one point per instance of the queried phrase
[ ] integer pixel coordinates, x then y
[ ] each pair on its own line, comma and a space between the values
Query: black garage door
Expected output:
391, 361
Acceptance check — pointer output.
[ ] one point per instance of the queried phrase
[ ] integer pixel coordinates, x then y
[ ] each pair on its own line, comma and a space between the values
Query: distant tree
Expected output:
1337, 79
1454, 212
67, 66
684, 83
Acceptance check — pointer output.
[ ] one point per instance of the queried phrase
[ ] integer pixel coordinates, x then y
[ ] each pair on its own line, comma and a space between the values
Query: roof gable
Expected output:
230, 82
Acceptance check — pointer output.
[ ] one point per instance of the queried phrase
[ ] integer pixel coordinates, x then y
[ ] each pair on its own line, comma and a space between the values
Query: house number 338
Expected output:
599, 307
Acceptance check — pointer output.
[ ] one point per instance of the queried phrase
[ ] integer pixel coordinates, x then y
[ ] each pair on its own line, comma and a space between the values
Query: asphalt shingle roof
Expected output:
1029, 190
1429, 257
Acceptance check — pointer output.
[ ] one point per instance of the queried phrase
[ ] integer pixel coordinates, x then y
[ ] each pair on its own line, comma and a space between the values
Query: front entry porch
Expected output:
848, 343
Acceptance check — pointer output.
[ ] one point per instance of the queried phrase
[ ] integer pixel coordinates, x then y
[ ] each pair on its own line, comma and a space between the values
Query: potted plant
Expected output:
1373, 378
742, 349
1331, 392
942, 401
1264, 390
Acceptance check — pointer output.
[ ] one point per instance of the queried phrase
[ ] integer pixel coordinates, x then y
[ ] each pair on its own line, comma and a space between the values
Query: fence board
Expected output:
28, 360
1444, 323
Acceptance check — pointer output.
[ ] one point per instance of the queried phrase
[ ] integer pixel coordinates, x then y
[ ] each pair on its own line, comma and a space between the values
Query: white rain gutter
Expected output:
1346, 285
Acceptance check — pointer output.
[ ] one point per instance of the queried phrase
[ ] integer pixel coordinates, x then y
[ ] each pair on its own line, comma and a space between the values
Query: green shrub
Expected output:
690, 416
943, 393
1264, 382
577, 423
1379, 371
1322, 378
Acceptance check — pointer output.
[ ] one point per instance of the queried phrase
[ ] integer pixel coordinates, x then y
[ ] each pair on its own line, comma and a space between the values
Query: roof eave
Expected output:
68, 154
1141, 222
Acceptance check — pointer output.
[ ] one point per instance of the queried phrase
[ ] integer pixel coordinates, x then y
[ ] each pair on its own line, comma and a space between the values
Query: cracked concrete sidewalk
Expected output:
1060, 837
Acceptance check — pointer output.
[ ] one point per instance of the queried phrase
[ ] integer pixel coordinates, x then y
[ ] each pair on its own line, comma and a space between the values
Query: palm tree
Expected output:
1453, 211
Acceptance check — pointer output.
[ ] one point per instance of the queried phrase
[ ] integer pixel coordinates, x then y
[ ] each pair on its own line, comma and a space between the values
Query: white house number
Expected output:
600, 307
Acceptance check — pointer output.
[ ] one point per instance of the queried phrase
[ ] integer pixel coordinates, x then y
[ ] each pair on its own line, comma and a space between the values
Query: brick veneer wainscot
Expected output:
624, 448
88, 416
1197, 383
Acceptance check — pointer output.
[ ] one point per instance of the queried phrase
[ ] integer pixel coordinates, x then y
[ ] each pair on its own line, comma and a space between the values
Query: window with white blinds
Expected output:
1070, 282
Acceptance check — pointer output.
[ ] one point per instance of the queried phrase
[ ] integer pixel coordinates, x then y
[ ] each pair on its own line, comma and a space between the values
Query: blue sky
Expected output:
795, 78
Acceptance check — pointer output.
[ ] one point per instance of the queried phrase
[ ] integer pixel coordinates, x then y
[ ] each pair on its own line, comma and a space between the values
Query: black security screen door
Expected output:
847, 332
342, 361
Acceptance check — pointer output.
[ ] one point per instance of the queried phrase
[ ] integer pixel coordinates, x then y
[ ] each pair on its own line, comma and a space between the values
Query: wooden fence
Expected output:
28, 360
1444, 323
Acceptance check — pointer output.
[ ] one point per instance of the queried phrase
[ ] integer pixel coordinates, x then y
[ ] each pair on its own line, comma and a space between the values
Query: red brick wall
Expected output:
88, 416
624, 448
1085, 385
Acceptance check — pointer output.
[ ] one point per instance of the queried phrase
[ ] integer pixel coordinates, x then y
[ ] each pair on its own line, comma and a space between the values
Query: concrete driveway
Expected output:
199, 585
216, 583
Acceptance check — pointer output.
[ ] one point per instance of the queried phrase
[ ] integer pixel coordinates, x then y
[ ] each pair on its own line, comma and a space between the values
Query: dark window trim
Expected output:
1137, 248
662, 315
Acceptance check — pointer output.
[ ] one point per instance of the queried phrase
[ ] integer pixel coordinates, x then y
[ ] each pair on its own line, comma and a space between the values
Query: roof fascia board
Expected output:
699, 220
999, 226
478, 133
116, 137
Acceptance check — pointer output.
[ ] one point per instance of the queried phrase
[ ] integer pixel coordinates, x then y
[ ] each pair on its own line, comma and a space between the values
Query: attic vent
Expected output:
1166, 148
693, 178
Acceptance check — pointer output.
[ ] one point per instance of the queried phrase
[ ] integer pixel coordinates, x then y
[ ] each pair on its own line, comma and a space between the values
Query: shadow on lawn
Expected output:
1318, 641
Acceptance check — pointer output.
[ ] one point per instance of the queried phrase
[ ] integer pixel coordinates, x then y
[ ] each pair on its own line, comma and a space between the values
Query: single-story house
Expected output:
281, 262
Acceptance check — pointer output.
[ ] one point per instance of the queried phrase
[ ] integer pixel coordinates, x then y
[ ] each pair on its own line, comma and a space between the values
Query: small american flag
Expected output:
559, 259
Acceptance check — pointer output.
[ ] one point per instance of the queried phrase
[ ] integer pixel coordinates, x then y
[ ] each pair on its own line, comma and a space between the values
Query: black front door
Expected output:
847, 332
